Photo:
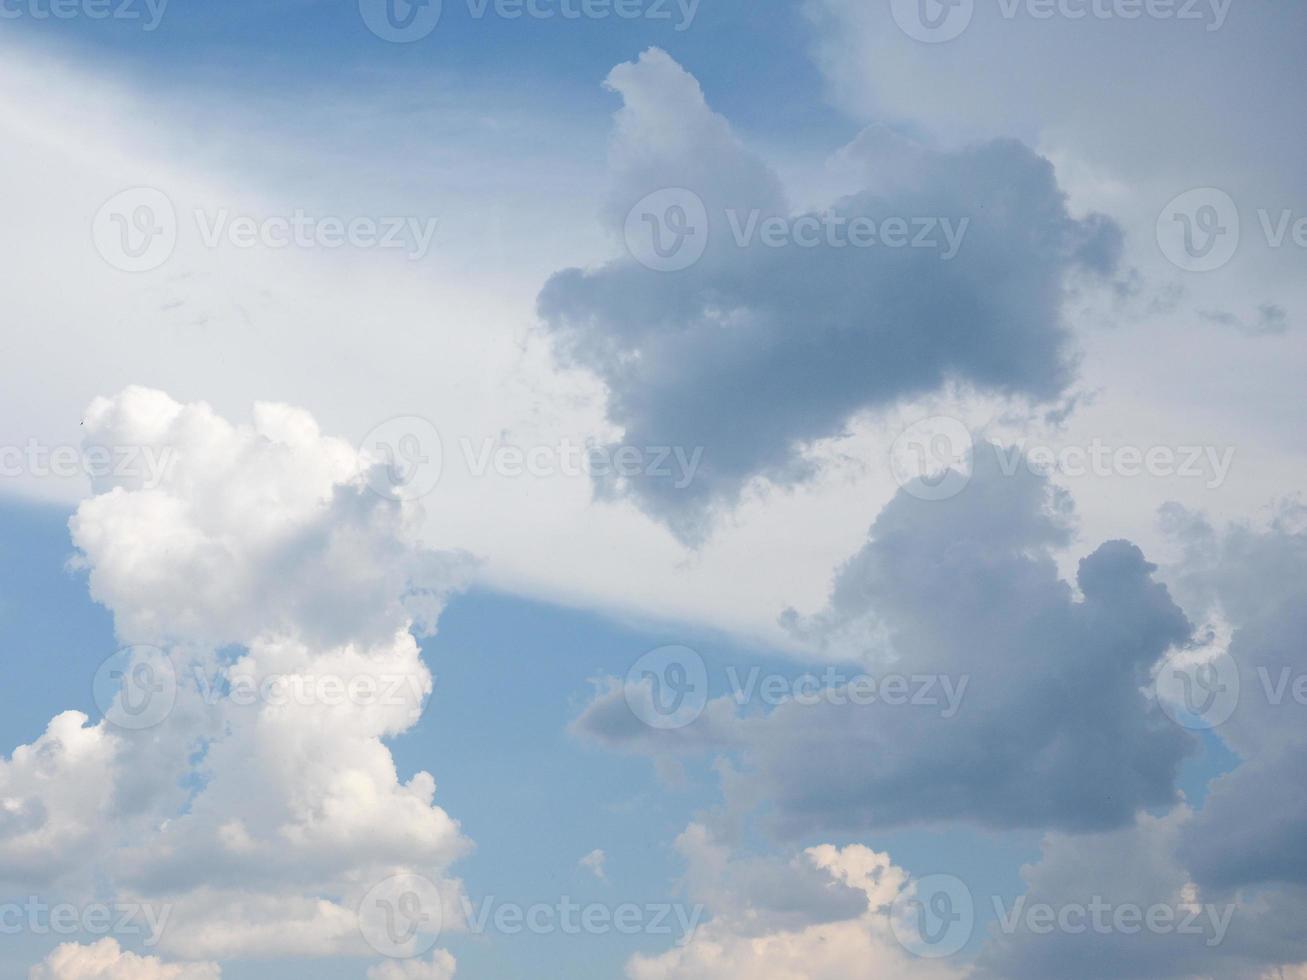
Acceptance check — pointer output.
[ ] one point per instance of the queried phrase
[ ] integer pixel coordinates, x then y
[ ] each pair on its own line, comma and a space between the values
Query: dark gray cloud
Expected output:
1054, 729
754, 352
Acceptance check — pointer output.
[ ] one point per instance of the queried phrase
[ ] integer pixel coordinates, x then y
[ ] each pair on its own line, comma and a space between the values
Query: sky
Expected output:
663, 489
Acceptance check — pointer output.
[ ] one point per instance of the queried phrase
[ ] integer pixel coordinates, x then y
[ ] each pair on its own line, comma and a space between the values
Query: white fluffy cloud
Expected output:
105, 960
265, 539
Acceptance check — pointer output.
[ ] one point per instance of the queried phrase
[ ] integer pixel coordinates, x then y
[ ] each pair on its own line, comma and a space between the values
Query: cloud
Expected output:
1253, 828
754, 352
1047, 724
1197, 933
441, 966
104, 960
283, 593
594, 863
821, 916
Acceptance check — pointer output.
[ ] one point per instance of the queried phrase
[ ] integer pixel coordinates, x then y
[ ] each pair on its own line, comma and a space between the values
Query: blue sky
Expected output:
827, 471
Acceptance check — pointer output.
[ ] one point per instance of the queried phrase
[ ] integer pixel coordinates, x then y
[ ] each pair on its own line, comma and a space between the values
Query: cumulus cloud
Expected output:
105, 960
1195, 933
284, 594
1050, 725
821, 916
1253, 828
441, 966
754, 352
